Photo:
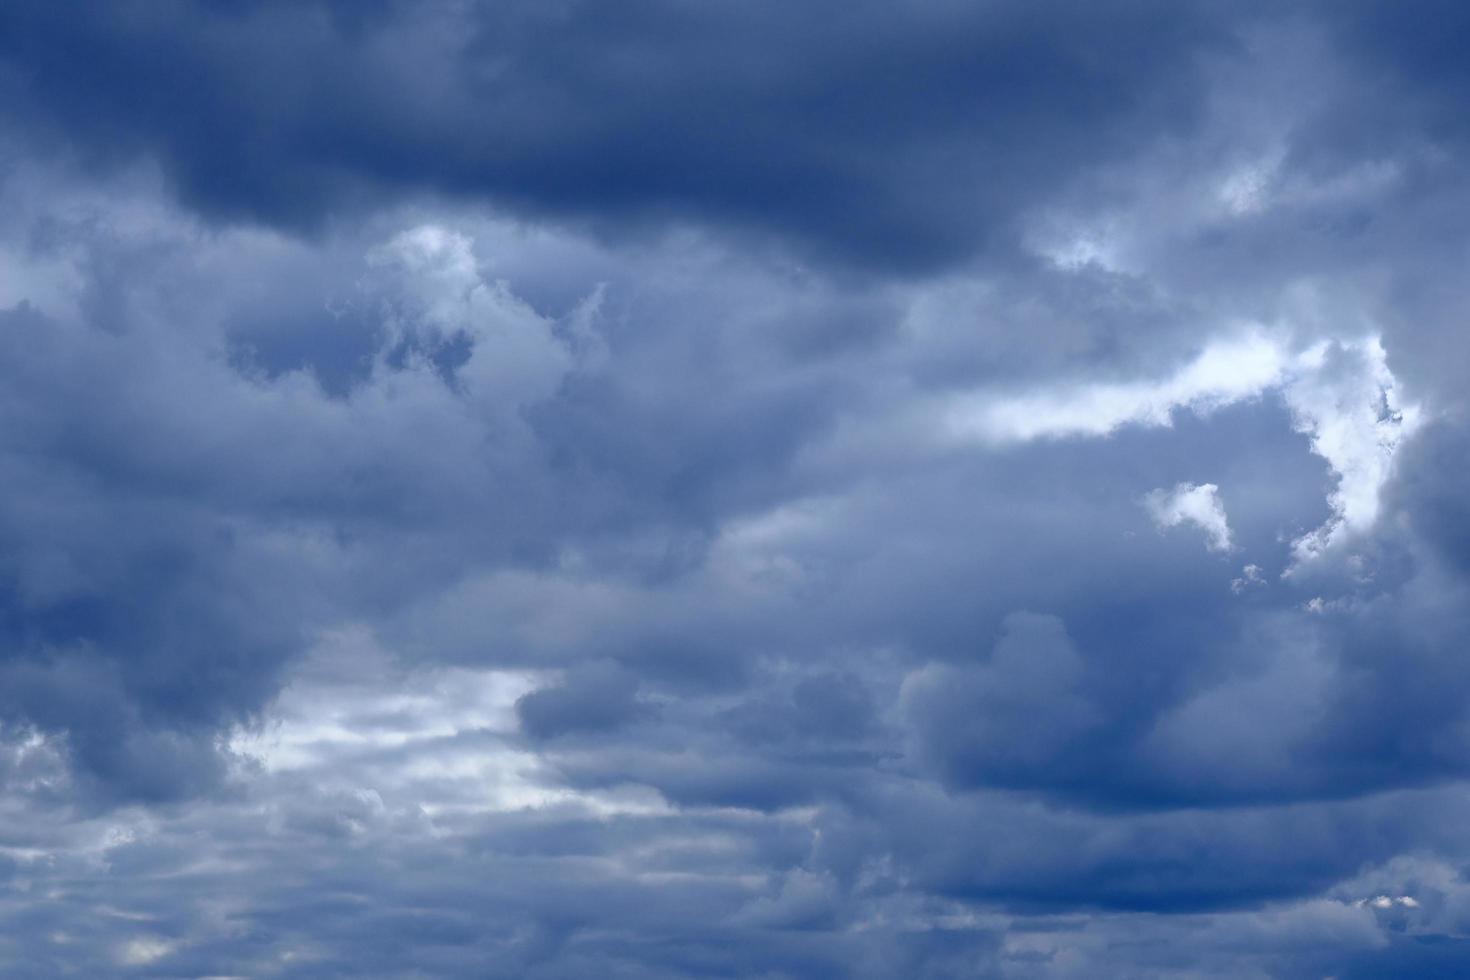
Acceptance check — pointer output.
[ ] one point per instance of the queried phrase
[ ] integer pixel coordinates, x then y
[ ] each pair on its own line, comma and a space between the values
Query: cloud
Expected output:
1197, 504
842, 154
1224, 372
518, 629
435, 296
598, 698
1250, 577
531, 491
1341, 394
142, 952
1011, 718
1350, 408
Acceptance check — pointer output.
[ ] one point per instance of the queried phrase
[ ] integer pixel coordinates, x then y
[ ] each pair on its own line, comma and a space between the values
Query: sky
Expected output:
655, 489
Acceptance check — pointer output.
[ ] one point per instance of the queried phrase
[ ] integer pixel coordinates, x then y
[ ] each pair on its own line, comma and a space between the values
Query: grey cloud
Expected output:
479, 492
597, 698
836, 126
1017, 714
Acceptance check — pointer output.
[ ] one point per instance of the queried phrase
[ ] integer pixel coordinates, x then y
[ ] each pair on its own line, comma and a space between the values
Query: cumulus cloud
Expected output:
433, 295
1250, 577
1341, 394
1197, 504
1349, 406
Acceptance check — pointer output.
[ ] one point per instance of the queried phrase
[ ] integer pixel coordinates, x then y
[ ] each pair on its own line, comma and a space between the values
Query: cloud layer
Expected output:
733, 490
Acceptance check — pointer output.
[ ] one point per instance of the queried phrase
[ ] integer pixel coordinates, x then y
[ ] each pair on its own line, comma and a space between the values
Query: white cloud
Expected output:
434, 288
1197, 504
1225, 372
1250, 577
1345, 399
1248, 189
1341, 394
382, 735
145, 950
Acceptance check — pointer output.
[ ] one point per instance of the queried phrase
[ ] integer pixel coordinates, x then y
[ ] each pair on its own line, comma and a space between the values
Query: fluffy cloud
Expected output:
1189, 503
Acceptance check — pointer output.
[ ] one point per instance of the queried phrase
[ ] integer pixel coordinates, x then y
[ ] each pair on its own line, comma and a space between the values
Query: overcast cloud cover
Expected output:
654, 489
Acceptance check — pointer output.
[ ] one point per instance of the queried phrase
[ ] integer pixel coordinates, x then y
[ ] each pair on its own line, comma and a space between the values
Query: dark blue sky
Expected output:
659, 489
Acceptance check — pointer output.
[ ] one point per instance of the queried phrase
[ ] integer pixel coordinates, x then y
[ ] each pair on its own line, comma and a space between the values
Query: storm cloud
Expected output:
678, 490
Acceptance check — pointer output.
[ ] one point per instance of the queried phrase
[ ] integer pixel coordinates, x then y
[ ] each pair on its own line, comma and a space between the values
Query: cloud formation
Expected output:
733, 490
1197, 504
